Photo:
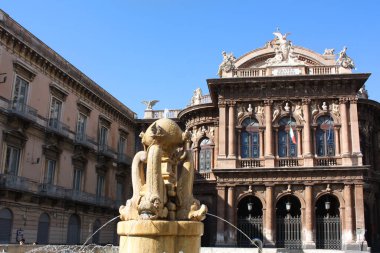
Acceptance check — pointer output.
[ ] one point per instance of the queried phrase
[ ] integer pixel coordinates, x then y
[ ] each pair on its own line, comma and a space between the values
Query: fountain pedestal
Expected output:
159, 236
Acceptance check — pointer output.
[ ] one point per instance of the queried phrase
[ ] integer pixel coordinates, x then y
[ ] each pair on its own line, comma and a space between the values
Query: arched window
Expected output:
96, 237
287, 137
205, 155
6, 219
43, 229
250, 139
73, 231
325, 144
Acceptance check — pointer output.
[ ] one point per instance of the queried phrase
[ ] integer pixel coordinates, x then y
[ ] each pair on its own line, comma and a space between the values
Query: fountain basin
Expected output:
158, 236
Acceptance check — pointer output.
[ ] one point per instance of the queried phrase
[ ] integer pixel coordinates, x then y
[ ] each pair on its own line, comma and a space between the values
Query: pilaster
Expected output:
355, 138
231, 238
309, 242
269, 218
221, 213
222, 130
231, 130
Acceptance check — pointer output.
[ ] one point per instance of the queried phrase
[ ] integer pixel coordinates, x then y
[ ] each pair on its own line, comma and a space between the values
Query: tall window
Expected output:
6, 221
55, 112
122, 144
287, 138
77, 181
103, 136
20, 94
325, 136
43, 229
250, 142
12, 160
81, 127
50, 171
205, 155
100, 186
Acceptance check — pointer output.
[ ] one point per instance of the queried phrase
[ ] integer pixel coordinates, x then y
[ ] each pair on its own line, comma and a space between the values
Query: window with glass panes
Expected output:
325, 141
286, 147
20, 94
250, 139
12, 160
205, 155
50, 171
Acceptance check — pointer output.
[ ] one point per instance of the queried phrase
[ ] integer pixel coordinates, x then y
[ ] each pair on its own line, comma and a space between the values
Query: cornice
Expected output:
18, 40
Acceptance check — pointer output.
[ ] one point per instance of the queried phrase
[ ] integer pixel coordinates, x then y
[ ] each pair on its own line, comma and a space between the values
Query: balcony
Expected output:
328, 161
58, 127
84, 140
251, 163
124, 159
106, 150
17, 183
22, 110
289, 162
305, 70
206, 175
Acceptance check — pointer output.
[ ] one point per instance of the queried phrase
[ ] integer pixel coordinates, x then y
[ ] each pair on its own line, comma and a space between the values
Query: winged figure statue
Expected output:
149, 104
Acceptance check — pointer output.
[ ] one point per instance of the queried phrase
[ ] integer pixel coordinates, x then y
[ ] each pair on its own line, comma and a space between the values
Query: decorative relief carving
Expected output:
227, 65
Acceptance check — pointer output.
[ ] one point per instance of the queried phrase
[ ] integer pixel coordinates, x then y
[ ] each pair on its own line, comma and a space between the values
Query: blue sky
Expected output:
164, 49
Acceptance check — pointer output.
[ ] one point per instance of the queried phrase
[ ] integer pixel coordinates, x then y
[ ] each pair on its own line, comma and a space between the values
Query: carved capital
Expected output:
222, 103
268, 102
231, 103
343, 100
306, 101
353, 100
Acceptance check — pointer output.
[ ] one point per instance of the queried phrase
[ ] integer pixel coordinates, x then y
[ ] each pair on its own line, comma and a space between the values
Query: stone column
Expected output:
222, 130
216, 142
231, 130
337, 141
231, 216
359, 211
309, 218
348, 217
269, 217
345, 138
221, 213
307, 134
269, 158
355, 138
299, 142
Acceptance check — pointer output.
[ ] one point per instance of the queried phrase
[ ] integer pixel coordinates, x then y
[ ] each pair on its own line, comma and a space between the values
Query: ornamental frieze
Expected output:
281, 177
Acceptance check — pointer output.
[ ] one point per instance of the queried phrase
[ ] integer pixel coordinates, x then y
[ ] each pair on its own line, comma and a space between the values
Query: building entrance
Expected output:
329, 232
250, 220
288, 226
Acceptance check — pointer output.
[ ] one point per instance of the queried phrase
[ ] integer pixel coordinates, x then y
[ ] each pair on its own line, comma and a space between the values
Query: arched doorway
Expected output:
288, 223
6, 219
73, 231
96, 237
43, 229
328, 226
250, 220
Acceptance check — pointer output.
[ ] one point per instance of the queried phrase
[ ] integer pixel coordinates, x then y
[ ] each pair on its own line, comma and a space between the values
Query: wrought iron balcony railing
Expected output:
83, 139
22, 184
58, 127
16, 183
106, 150
22, 110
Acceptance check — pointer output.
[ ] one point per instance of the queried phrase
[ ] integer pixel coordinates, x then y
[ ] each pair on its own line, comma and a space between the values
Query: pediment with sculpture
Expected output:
280, 57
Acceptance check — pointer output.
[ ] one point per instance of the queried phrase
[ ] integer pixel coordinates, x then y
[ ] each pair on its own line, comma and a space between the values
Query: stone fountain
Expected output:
162, 215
